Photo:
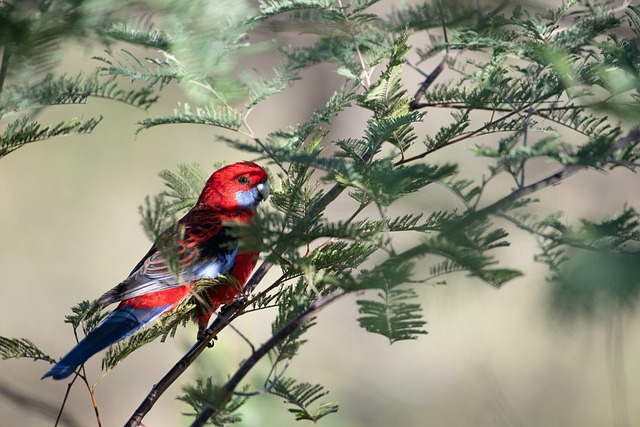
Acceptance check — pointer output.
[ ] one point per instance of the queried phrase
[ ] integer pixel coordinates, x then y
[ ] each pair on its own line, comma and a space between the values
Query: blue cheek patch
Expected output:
248, 199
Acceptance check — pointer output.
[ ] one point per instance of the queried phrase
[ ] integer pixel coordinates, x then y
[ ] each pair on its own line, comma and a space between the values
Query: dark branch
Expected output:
4, 66
415, 104
276, 339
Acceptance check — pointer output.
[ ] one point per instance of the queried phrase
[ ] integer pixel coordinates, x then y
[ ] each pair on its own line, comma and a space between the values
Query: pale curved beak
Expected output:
263, 189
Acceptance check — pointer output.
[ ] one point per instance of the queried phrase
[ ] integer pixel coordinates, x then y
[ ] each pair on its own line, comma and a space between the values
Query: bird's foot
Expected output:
202, 334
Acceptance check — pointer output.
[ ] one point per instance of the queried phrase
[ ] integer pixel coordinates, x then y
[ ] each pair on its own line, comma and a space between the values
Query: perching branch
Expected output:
224, 317
232, 384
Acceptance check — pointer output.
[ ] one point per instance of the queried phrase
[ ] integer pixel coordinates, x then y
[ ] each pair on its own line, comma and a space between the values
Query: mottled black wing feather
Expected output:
206, 250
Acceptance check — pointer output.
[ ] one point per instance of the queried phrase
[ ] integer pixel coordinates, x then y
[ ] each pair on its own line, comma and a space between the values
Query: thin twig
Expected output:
478, 131
4, 66
64, 401
461, 106
251, 134
527, 121
170, 57
70, 385
415, 67
82, 374
243, 336
558, 239
444, 27
215, 93
94, 402
415, 104
548, 181
430, 78
270, 384
248, 364
366, 73
456, 140
224, 316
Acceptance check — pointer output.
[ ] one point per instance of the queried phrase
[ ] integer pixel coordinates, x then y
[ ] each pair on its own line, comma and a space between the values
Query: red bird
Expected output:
206, 250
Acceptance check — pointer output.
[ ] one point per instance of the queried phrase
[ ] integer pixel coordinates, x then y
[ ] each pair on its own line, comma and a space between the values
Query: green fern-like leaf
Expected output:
14, 348
212, 115
340, 100
155, 217
138, 35
261, 88
394, 314
65, 89
386, 94
302, 395
84, 315
292, 302
23, 131
341, 255
184, 187
118, 352
434, 221
270, 8
448, 132
393, 317
165, 327
427, 15
204, 393
153, 71
466, 252
385, 183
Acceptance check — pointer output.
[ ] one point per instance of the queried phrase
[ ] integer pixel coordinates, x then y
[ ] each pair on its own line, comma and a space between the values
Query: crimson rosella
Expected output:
206, 249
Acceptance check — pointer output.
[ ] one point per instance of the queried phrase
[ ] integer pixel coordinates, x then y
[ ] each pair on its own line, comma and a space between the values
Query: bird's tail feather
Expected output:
116, 326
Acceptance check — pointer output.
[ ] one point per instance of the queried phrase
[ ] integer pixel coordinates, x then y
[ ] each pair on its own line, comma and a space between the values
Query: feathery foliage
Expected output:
14, 348
392, 316
23, 131
302, 395
205, 392
559, 86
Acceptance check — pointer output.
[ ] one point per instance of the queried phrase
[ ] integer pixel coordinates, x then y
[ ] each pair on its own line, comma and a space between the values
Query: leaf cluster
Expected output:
206, 392
559, 86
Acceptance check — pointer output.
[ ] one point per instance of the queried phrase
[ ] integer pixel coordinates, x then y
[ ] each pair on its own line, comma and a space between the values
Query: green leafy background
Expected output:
70, 230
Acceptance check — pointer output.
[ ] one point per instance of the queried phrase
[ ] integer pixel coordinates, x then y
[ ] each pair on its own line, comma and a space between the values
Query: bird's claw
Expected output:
202, 334
212, 342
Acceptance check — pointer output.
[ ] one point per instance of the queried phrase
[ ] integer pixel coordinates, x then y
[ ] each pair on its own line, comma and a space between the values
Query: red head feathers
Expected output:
240, 186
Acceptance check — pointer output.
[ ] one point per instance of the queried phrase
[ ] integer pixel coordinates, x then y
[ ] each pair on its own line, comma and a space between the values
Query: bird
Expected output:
205, 247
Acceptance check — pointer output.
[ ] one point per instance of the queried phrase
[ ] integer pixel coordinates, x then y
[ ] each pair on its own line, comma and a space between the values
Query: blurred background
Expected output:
70, 230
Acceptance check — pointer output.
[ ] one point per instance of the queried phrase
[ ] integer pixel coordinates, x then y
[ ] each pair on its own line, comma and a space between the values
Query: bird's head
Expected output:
241, 185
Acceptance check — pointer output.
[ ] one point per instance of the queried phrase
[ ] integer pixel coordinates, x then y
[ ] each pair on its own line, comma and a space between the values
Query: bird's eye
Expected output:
244, 180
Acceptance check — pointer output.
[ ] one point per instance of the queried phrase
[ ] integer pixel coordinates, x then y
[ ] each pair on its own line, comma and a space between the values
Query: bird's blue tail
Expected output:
115, 327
